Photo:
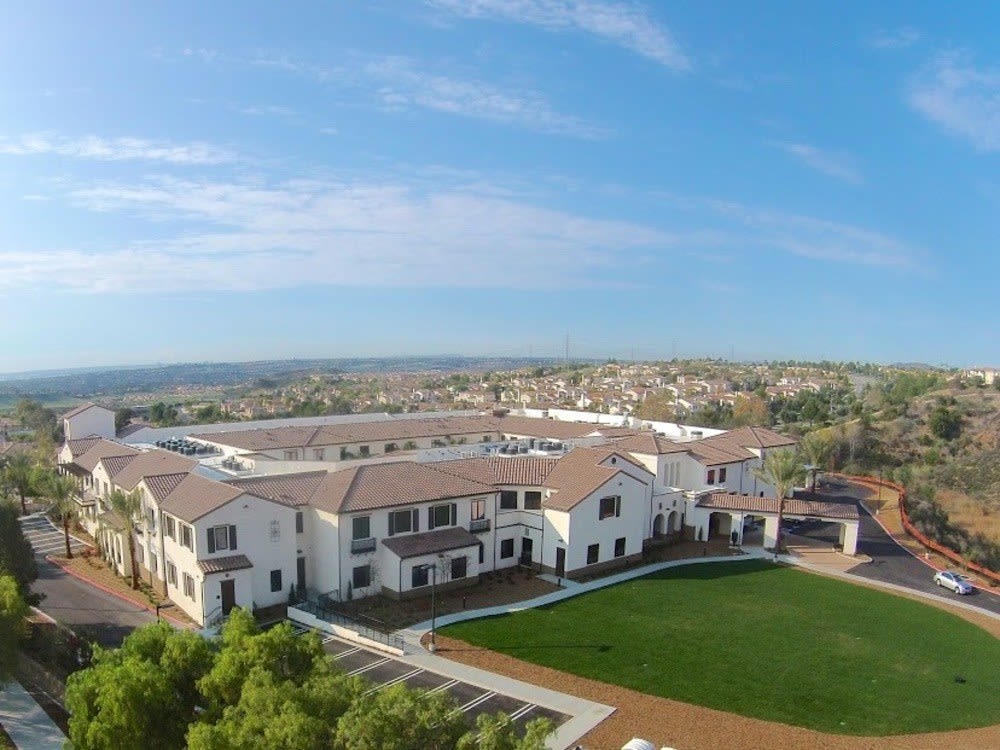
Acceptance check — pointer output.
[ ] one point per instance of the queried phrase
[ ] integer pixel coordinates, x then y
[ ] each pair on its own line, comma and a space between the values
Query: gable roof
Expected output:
753, 437
502, 470
161, 485
81, 445
151, 463
793, 507
102, 449
293, 490
579, 474
386, 485
195, 496
81, 409
650, 444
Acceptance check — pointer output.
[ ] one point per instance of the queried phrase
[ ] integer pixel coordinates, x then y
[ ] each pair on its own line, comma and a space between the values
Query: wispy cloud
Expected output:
402, 85
116, 149
832, 163
905, 36
625, 24
255, 235
960, 97
267, 110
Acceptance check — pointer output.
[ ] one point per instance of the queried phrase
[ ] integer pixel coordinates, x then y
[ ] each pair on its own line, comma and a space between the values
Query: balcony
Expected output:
479, 525
362, 545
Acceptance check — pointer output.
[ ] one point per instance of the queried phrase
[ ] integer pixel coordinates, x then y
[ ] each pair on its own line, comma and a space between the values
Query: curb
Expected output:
112, 592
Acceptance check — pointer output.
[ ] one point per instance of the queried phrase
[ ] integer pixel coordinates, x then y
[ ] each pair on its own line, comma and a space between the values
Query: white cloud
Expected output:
960, 97
272, 110
400, 85
901, 38
249, 235
834, 164
623, 23
116, 149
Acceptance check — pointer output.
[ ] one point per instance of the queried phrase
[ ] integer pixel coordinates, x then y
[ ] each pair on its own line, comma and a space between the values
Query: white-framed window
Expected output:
291, 455
170, 527
620, 547
361, 527
220, 535
441, 515
171, 573
609, 507
300, 524
275, 580
404, 521
593, 553
187, 536
361, 576
188, 586
274, 530
319, 454
478, 509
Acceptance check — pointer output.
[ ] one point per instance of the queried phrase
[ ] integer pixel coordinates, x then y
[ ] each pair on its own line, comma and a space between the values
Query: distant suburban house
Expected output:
88, 419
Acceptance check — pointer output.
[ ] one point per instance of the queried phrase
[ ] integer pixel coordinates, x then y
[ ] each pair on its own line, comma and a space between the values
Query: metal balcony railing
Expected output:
362, 545
479, 525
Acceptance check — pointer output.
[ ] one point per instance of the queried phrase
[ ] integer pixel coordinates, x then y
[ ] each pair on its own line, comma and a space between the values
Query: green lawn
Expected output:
766, 641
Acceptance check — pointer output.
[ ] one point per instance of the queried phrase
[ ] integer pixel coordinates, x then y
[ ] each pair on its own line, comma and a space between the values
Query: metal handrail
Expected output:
323, 607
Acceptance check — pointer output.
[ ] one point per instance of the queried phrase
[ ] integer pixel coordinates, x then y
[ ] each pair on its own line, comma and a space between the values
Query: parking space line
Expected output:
526, 708
476, 701
402, 678
347, 653
447, 686
365, 668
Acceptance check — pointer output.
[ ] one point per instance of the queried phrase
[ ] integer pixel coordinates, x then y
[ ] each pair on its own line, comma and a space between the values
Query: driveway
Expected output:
890, 563
86, 609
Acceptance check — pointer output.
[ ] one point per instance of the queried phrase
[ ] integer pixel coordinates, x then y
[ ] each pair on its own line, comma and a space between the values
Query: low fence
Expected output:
914, 532
313, 615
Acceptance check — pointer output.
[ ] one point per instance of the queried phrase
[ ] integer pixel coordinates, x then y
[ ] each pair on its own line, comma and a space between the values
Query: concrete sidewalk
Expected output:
23, 719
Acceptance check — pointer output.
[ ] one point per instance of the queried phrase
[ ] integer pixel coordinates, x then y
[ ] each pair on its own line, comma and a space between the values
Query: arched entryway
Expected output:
658, 526
673, 522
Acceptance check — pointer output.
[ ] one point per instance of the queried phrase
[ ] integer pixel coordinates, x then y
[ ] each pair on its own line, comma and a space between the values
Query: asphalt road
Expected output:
890, 562
84, 608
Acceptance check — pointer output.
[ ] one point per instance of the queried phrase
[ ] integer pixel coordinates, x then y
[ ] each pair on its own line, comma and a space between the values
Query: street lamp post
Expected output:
878, 503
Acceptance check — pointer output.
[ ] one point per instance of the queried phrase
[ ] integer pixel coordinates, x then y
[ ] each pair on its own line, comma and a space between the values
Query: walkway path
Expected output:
23, 719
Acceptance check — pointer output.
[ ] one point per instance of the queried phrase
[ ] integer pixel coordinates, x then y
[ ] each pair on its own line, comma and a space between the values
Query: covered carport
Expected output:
740, 508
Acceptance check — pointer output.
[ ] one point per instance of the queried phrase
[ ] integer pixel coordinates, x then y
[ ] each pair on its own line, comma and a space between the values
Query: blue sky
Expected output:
228, 181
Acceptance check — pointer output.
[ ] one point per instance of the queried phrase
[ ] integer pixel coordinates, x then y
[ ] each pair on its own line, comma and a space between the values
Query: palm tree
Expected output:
19, 474
61, 489
816, 449
783, 470
127, 505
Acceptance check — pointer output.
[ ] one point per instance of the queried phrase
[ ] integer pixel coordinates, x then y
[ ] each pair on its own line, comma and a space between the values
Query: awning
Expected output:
430, 542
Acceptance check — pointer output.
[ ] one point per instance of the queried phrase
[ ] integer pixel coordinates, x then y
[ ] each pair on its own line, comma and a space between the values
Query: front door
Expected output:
300, 570
228, 596
526, 549
560, 562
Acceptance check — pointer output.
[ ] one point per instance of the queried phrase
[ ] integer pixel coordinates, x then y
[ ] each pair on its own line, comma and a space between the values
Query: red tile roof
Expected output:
224, 564
195, 496
793, 507
430, 542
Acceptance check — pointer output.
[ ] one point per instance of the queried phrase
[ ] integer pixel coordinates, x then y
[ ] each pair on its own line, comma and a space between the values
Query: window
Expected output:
390, 448
152, 562
532, 500
711, 476
609, 507
273, 531
299, 522
722, 476
508, 500
459, 567
221, 537
404, 521
344, 454
482, 553
188, 586
276, 580
486, 438
171, 573
187, 536
319, 454
478, 509
291, 455
361, 527
507, 548
364, 450
170, 527
620, 547
419, 576
441, 515
593, 553
362, 576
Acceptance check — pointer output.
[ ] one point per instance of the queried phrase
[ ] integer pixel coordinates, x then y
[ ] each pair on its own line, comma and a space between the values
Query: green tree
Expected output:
498, 732
399, 718
19, 474
141, 695
17, 559
945, 423
128, 505
750, 410
122, 417
61, 489
13, 626
816, 448
783, 470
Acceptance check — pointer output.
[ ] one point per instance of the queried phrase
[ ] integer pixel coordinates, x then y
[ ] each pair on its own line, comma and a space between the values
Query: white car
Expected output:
954, 581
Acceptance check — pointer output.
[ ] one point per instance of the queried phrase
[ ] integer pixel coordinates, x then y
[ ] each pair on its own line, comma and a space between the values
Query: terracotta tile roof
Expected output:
103, 449
78, 410
161, 485
574, 478
430, 542
194, 496
550, 429
502, 470
224, 564
151, 463
114, 464
389, 484
81, 445
387, 430
793, 507
287, 489
650, 444
714, 454
617, 432
755, 437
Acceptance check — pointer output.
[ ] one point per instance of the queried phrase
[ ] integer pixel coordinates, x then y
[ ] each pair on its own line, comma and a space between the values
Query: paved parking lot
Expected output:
382, 671
45, 537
